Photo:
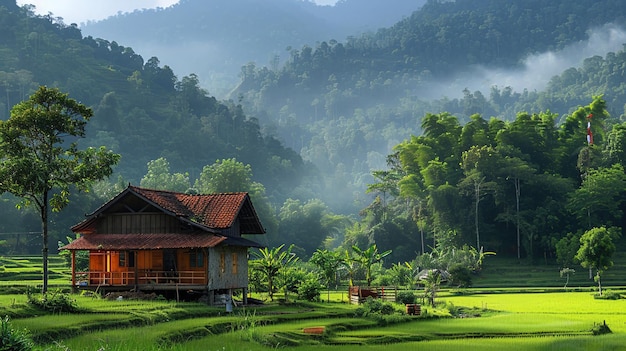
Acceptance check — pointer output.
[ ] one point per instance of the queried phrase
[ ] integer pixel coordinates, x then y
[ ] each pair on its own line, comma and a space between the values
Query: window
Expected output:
222, 262
234, 257
196, 259
127, 259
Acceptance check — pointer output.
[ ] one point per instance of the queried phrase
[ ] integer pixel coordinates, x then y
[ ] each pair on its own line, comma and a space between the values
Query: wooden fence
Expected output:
358, 294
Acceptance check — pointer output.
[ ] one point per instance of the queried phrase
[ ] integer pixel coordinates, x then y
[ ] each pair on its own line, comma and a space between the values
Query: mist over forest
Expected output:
356, 123
214, 39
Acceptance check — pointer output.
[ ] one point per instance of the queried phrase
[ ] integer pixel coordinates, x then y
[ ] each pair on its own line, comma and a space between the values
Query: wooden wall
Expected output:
126, 223
228, 267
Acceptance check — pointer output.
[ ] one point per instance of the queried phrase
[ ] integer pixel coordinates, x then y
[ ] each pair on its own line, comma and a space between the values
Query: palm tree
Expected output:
270, 262
328, 262
367, 258
431, 285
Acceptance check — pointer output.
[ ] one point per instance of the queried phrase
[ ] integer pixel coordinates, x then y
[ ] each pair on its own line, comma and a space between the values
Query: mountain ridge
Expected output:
222, 36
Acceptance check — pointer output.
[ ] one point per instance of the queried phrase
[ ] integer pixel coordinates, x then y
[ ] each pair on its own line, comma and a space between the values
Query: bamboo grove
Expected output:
526, 188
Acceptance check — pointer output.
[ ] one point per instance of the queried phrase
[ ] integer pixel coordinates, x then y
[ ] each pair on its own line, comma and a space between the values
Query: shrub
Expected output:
599, 329
12, 339
309, 289
608, 295
374, 307
406, 297
460, 276
56, 302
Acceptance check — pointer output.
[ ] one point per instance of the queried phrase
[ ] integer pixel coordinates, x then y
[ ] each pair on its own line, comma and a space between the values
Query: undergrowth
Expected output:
56, 302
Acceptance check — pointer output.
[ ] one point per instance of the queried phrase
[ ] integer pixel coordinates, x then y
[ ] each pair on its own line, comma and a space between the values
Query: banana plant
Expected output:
367, 258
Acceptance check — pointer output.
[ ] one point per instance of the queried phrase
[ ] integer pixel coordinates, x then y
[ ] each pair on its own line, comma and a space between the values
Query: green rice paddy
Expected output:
484, 318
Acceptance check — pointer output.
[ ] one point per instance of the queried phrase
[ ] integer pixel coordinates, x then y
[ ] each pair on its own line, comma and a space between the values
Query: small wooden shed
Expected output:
154, 240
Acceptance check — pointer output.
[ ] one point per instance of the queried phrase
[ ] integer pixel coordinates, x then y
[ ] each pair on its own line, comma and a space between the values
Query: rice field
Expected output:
486, 318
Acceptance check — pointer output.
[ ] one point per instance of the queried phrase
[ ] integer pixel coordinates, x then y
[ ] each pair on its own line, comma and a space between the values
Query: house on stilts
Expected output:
161, 241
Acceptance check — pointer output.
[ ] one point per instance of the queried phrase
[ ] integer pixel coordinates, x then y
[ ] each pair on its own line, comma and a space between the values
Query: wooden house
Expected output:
162, 241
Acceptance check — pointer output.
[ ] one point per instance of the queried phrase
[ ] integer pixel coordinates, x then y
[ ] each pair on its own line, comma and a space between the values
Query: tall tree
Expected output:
480, 164
599, 201
230, 175
516, 170
596, 250
159, 177
40, 158
301, 224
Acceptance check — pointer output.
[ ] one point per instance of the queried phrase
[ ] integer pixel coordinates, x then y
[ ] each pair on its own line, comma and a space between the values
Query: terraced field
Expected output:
485, 318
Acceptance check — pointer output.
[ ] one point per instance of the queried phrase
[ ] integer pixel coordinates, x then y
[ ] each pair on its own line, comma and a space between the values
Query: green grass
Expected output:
528, 311
509, 272
159, 325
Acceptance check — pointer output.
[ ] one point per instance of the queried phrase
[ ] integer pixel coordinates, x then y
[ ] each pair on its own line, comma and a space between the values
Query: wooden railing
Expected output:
358, 294
143, 278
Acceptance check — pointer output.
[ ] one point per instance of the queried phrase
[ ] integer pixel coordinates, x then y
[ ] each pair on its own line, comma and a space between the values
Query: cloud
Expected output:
538, 69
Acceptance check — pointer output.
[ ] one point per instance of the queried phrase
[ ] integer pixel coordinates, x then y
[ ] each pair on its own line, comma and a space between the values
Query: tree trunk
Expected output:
476, 204
270, 287
44, 250
419, 218
517, 195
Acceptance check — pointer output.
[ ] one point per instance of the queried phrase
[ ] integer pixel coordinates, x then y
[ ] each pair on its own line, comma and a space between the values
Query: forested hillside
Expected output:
344, 104
215, 38
142, 110
507, 170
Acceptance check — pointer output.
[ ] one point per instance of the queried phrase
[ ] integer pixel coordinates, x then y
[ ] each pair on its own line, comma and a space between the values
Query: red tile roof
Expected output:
217, 211
116, 242
210, 211
144, 241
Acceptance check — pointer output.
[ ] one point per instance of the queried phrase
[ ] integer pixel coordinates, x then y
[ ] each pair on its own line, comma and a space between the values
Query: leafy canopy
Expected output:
39, 155
35, 154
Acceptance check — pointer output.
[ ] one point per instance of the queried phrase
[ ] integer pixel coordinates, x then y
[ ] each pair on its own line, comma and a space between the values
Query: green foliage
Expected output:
302, 224
432, 282
230, 175
600, 329
55, 302
566, 249
460, 276
374, 307
82, 257
375, 99
272, 263
596, 250
159, 177
40, 160
35, 161
140, 110
367, 258
593, 209
339, 102
406, 297
446, 257
328, 263
400, 275
309, 289
608, 295
12, 339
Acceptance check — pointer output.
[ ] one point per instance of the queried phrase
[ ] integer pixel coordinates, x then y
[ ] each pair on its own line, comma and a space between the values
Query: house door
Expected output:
169, 260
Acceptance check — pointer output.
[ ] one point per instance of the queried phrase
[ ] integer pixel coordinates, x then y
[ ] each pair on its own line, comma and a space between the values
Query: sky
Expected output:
79, 11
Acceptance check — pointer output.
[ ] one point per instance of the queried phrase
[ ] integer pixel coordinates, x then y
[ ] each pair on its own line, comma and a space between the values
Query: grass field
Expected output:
519, 315
517, 321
